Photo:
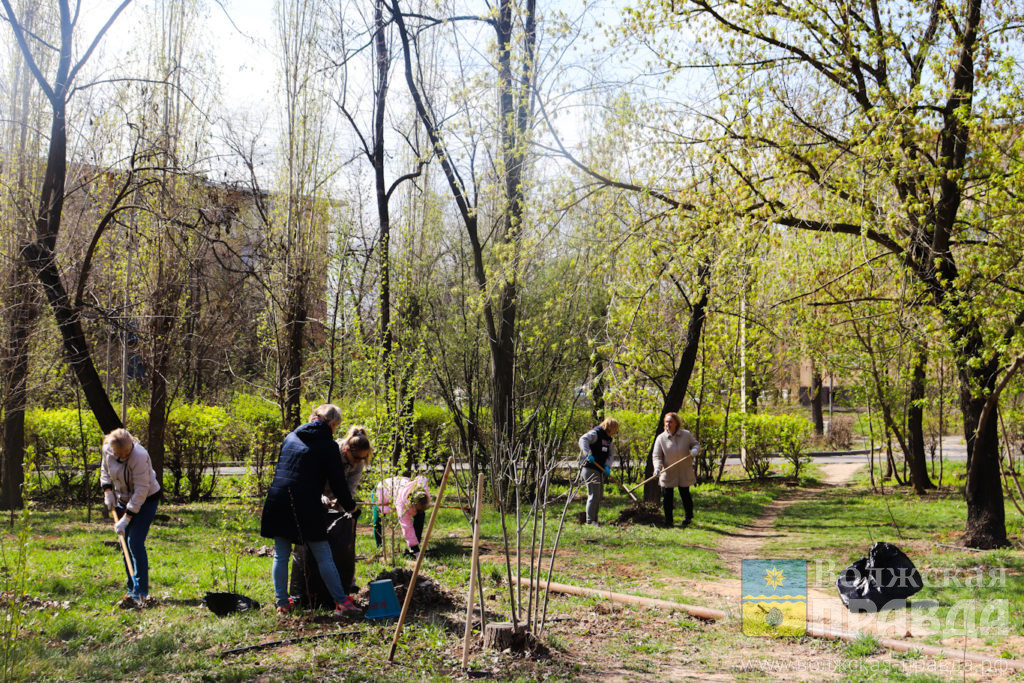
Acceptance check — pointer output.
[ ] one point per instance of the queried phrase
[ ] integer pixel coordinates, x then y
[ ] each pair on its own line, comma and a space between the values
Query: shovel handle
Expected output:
655, 476
124, 546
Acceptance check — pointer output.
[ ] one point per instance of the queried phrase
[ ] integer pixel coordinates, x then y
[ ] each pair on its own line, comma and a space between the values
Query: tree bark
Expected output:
915, 428
817, 415
24, 312
12, 475
986, 516
295, 333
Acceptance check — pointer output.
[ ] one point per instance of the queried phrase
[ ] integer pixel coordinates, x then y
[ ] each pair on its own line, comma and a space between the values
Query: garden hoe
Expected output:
124, 548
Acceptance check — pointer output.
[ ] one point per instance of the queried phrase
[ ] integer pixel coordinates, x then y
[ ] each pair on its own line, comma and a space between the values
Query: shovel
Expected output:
124, 548
622, 486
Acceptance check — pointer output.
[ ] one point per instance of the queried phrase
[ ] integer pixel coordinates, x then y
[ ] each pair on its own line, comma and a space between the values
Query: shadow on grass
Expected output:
448, 548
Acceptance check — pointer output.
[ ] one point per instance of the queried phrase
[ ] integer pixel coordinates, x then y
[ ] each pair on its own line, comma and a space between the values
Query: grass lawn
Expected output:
70, 628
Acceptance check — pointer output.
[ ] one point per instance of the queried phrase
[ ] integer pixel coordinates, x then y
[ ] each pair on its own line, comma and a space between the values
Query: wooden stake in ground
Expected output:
655, 476
124, 547
419, 560
473, 569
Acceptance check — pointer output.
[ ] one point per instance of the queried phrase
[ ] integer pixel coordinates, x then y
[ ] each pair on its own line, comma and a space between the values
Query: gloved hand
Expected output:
108, 499
413, 551
657, 471
355, 513
590, 458
122, 524
607, 470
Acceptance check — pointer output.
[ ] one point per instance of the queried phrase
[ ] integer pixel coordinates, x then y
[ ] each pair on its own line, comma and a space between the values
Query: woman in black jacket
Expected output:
293, 511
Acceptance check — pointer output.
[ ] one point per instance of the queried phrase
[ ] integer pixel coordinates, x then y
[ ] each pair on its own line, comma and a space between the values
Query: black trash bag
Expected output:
223, 604
305, 582
883, 579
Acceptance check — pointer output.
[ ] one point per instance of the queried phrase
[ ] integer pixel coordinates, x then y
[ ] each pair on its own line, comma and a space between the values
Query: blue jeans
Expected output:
321, 553
135, 537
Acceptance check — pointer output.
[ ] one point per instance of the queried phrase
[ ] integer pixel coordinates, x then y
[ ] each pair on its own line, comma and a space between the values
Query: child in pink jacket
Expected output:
410, 498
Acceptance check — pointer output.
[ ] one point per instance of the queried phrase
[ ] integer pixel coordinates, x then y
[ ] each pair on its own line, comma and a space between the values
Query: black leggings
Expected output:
667, 500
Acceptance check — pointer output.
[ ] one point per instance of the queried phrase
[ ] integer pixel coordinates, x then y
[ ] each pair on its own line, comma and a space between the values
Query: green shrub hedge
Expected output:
63, 457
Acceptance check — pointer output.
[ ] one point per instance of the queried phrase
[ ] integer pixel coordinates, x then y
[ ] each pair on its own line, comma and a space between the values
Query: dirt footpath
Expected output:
823, 607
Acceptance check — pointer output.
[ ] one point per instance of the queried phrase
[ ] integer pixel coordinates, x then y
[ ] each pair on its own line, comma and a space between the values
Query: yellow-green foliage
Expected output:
59, 444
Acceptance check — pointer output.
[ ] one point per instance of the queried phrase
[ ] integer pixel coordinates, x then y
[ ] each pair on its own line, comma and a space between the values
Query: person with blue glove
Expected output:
597, 448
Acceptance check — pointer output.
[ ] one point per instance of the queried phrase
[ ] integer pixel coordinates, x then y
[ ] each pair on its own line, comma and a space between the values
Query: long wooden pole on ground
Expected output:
419, 560
124, 547
473, 569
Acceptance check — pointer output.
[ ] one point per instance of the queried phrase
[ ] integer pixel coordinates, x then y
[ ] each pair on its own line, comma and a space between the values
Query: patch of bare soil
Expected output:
640, 513
259, 551
428, 596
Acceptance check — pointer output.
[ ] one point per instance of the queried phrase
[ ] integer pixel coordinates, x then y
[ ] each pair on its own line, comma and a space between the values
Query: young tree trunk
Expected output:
915, 428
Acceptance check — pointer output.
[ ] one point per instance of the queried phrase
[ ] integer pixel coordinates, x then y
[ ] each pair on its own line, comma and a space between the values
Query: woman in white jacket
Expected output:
673, 445
130, 487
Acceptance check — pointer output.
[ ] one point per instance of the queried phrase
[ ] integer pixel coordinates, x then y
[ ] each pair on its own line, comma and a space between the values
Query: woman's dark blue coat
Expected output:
309, 459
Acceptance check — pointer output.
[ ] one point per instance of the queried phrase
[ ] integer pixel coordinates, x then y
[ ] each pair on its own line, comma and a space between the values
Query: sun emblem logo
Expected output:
773, 577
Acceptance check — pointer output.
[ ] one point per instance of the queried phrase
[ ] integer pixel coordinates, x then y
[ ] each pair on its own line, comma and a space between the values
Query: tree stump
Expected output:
499, 635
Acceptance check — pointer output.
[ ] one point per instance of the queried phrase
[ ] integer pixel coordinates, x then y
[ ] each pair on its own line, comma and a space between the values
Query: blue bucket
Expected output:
383, 600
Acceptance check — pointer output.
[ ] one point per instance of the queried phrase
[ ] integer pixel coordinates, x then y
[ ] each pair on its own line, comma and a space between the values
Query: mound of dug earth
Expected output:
428, 596
640, 514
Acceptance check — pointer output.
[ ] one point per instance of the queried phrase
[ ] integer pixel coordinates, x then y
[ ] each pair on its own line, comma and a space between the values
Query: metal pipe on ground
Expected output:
813, 630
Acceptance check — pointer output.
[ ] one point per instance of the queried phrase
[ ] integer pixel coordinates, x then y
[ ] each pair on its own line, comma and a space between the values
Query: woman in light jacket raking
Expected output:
671, 446
131, 489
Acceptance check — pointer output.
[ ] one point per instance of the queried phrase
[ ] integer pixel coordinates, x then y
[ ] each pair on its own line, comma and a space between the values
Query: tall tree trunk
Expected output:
817, 415
25, 311
597, 409
162, 326
295, 331
986, 516
753, 392
24, 314
40, 255
681, 378
915, 428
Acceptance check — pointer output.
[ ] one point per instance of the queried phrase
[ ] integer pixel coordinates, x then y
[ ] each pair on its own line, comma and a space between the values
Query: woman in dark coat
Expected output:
293, 511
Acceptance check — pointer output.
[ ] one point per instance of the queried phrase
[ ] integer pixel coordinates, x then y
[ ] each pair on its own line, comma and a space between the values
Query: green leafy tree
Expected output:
888, 123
